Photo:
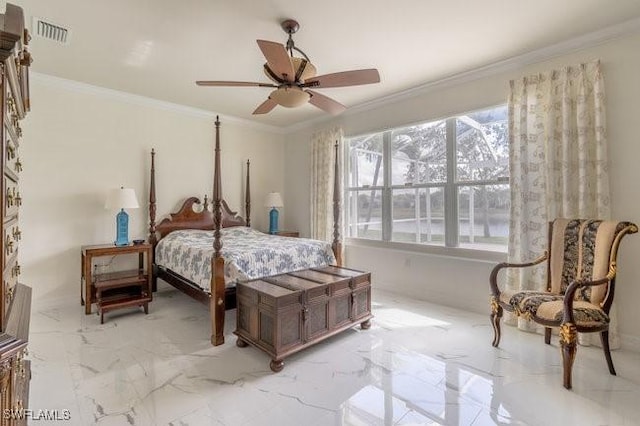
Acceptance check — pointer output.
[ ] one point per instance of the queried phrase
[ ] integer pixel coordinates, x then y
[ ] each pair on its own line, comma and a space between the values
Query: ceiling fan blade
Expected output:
325, 103
278, 59
344, 78
233, 84
265, 107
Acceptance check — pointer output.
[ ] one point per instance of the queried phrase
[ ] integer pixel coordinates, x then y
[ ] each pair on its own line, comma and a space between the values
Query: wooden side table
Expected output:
295, 234
119, 289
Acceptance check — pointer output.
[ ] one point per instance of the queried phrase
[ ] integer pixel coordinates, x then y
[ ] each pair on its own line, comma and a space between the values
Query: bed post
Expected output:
153, 239
216, 301
247, 198
336, 246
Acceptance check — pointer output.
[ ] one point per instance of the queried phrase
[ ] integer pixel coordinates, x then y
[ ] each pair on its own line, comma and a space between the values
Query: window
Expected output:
444, 182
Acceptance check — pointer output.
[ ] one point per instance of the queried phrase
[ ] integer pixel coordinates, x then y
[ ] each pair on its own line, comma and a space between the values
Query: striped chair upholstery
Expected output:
581, 266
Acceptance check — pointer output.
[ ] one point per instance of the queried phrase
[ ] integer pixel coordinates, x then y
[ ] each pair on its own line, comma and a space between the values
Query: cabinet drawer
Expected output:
10, 236
9, 281
12, 199
12, 122
12, 163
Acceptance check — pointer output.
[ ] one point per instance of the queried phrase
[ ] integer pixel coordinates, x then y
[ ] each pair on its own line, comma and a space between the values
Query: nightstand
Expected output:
295, 234
119, 289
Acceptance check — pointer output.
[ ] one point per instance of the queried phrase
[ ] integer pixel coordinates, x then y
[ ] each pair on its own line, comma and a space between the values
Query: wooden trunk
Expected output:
286, 313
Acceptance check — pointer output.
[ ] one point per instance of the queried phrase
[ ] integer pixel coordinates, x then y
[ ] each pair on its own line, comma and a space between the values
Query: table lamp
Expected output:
274, 200
122, 198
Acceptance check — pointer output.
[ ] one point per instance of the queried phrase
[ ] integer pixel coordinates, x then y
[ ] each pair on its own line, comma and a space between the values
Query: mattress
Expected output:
248, 254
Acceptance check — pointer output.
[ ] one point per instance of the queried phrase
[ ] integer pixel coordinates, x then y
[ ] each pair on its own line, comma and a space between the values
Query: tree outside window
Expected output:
443, 182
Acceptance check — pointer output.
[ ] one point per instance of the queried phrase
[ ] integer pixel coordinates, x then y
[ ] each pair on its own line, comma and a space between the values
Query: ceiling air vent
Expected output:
51, 31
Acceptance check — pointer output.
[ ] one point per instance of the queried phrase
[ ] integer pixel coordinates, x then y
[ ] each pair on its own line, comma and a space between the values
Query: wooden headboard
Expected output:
193, 214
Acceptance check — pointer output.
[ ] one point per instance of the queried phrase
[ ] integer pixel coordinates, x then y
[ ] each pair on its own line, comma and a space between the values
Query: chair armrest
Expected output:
569, 295
493, 278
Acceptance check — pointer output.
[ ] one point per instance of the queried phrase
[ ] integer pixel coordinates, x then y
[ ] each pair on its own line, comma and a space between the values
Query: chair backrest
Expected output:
583, 249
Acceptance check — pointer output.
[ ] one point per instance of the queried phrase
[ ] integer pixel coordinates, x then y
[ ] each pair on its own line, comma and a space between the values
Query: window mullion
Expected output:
451, 190
386, 192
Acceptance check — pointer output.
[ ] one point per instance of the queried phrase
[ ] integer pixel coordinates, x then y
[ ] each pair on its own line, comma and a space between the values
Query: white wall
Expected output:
462, 282
81, 141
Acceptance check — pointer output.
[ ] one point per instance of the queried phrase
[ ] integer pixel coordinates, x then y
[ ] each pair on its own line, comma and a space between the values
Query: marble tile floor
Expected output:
419, 364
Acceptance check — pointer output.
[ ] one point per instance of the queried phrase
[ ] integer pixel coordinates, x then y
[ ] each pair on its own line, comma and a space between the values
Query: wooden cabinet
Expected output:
15, 298
15, 370
15, 61
287, 313
118, 289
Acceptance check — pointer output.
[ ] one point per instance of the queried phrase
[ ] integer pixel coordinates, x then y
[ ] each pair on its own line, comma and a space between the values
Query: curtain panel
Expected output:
558, 161
322, 182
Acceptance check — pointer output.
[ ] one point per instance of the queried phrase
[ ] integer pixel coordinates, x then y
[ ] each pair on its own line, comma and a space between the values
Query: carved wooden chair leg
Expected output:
604, 338
547, 335
569, 346
496, 314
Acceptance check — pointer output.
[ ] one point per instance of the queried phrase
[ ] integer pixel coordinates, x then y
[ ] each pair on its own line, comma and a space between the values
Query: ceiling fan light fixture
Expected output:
290, 97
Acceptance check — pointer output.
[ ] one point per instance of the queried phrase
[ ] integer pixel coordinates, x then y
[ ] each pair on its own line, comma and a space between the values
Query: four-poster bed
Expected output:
221, 220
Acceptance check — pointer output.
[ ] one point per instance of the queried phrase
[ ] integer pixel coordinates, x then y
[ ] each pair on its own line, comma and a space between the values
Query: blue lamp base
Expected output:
122, 228
273, 221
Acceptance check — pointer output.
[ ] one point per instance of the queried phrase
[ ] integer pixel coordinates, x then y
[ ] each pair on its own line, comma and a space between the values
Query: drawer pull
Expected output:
26, 59
11, 152
8, 244
18, 199
15, 271
10, 196
10, 294
18, 165
17, 233
12, 105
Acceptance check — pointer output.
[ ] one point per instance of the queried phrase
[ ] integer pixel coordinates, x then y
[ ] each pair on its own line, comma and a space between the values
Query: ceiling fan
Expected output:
293, 77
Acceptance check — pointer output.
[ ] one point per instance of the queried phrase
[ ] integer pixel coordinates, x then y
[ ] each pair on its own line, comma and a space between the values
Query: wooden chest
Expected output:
286, 313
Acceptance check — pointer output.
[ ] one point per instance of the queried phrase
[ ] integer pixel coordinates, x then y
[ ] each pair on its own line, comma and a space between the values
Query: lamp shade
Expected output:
121, 198
290, 97
273, 200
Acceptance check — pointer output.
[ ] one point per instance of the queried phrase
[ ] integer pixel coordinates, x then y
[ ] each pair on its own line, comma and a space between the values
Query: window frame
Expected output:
451, 191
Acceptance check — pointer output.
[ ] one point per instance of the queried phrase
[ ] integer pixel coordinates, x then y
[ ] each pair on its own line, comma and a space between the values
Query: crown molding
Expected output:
582, 42
76, 86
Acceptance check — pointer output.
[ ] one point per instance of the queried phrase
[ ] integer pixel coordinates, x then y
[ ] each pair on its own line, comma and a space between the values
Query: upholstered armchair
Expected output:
581, 275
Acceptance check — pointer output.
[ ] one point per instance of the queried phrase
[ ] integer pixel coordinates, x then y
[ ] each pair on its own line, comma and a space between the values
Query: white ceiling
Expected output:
158, 48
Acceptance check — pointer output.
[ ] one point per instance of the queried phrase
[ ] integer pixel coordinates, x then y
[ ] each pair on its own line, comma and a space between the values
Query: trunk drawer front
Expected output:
361, 303
269, 315
315, 300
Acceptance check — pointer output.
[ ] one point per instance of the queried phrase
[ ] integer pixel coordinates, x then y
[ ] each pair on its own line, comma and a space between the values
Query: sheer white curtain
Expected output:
558, 161
322, 181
